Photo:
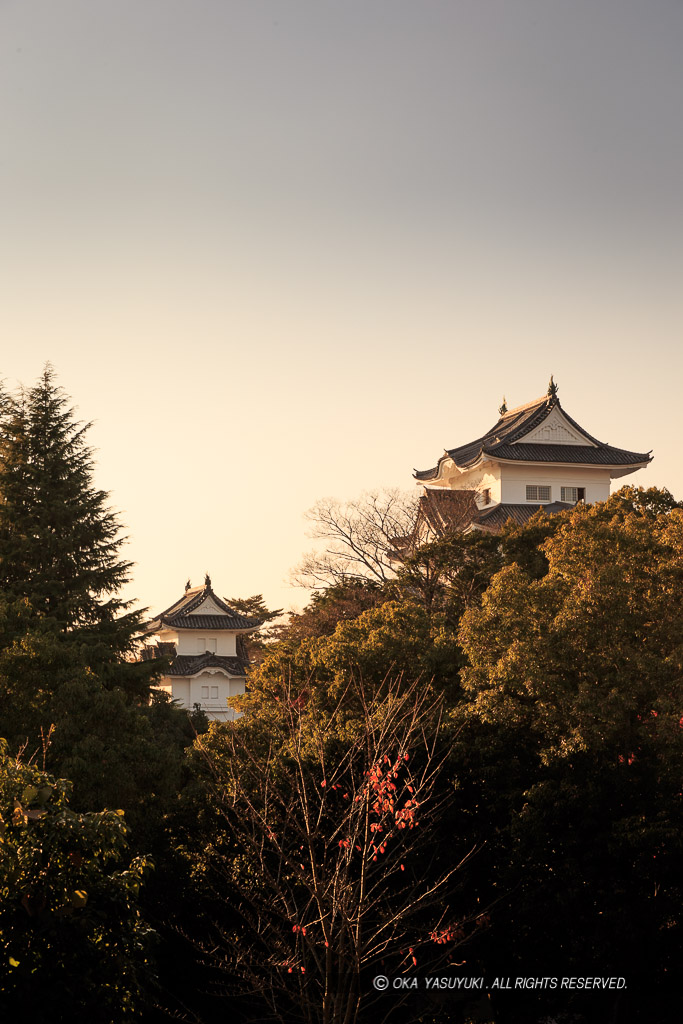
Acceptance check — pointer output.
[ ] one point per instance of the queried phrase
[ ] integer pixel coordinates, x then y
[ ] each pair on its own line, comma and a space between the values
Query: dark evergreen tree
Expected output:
67, 639
253, 646
59, 541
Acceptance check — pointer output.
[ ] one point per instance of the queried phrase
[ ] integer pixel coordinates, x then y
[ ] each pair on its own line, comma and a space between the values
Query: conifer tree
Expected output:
67, 639
59, 541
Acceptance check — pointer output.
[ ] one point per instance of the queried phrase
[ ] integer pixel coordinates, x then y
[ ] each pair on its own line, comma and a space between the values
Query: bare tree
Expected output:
358, 537
333, 856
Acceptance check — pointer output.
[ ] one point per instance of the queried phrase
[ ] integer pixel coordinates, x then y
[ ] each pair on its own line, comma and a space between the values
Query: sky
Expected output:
279, 250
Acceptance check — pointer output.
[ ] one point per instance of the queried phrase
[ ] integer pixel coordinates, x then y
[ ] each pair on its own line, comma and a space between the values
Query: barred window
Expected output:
569, 494
536, 492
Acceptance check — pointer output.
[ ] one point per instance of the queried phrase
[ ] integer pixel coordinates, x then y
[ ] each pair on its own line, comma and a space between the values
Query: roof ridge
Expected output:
527, 405
192, 599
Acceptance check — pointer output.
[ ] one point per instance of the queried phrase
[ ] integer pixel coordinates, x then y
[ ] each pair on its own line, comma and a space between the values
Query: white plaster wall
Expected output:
515, 479
189, 692
487, 476
220, 687
181, 691
167, 636
226, 641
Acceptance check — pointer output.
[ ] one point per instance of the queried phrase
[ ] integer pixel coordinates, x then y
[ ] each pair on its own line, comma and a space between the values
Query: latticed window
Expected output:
205, 643
569, 494
537, 492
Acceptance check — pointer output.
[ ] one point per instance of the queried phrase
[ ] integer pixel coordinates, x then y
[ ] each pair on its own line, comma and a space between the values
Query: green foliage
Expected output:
59, 542
117, 753
570, 759
254, 607
340, 602
583, 654
395, 639
73, 940
254, 644
67, 641
451, 574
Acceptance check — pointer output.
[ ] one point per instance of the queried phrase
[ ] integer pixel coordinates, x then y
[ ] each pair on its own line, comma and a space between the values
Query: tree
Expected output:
451, 574
71, 932
325, 850
572, 756
340, 602
357, 536
59, 542
254, 607
67, 640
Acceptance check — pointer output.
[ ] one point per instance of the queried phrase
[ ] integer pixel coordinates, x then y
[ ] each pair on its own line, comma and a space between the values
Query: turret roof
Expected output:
500, 443
179, 615
189, 665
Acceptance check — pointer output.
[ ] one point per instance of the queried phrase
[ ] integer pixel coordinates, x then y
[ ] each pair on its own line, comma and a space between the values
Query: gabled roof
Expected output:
501, 442
442, 511
179, 615
445, 510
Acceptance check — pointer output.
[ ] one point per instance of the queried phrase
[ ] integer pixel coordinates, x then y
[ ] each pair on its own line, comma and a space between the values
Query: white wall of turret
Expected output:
515, 478
209, 689
485, 478
192, 642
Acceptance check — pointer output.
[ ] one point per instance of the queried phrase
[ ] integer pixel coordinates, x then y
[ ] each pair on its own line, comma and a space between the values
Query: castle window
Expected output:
205, 643
205, 692
537, 492
214, 693
486, 495
569, 494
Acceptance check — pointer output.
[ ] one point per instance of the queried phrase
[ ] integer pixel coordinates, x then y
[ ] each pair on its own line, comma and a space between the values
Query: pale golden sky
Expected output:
288, 249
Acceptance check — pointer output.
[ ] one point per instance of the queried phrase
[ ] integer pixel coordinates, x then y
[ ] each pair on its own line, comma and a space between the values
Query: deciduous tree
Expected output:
356, 537
328, 850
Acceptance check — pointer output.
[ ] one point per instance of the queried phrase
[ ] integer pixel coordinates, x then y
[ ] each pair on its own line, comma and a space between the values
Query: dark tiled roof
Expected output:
152, 652
212, 622
494, 519
178, 615
425, 474
605, 455
190, 665
443, 510
516, 424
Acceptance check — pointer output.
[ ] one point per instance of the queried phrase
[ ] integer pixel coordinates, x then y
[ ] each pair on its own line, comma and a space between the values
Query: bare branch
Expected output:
357, 537
332, 853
